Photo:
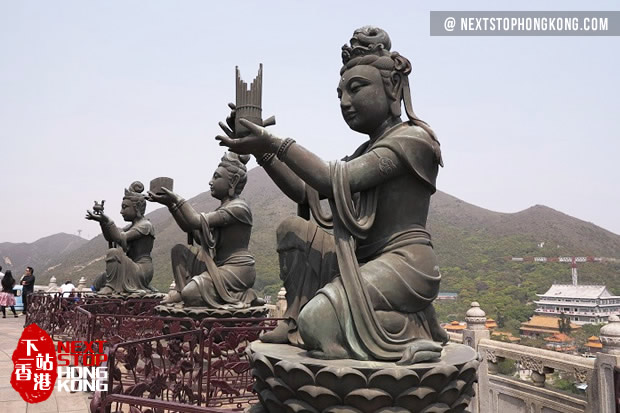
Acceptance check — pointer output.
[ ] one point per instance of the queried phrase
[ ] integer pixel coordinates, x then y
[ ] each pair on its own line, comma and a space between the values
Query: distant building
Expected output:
490, 324
447, 296
594, 345
455, 327
505, 336
584, 304
543, 326
560, 342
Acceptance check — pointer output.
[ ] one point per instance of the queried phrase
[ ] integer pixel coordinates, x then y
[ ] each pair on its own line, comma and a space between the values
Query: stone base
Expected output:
200, 313
287, 380
127, 296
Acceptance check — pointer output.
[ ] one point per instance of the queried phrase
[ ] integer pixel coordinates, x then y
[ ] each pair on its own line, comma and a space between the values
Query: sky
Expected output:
95, 95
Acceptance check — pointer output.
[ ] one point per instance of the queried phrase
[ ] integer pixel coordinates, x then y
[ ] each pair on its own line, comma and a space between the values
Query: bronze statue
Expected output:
129, 267
219, 273
367, 291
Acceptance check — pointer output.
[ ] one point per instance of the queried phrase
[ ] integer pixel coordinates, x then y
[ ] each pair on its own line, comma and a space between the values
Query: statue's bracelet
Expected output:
284, 148
266, 159
177, 205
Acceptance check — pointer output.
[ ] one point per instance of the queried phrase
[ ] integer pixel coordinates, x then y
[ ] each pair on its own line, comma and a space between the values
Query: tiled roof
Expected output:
577, 291
539, 321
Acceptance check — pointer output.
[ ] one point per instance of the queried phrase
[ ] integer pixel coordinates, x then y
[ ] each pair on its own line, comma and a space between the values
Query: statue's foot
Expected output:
279, 335
257, 302
105, 291
332, 352
172, 298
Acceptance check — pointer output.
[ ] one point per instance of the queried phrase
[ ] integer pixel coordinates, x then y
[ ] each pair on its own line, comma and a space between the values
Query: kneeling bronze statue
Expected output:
219, 273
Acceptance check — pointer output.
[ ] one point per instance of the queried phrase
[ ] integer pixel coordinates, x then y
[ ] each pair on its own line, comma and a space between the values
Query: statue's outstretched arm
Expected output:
110, 232
185, 215
288, 182
365, 172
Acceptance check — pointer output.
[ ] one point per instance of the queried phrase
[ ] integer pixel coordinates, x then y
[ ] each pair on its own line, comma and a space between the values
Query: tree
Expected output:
564, 324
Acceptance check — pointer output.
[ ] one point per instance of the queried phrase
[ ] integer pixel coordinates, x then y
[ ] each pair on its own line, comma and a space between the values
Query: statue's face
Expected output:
220, 183
363, 101
128, 211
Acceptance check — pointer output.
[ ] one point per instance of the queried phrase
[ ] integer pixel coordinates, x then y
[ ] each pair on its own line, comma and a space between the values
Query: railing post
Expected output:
476, 330
602, 392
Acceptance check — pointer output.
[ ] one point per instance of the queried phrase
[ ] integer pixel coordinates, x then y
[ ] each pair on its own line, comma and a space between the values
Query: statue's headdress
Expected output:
135, 195
235, 164
371, 46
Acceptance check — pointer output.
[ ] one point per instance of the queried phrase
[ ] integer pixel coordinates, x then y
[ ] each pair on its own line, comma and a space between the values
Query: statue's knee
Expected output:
313, 315
290, 224
178, 249
114, 254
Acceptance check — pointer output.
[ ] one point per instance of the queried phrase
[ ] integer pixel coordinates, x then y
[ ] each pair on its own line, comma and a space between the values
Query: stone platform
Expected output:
287, 380
200, 313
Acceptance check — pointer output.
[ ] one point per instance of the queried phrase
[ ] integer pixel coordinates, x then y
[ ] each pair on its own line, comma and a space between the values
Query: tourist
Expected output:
67, 288
7, 296
27, 281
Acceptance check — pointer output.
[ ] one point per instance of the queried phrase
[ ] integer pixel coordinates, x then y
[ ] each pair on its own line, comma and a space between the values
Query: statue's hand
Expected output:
101, 218
166, 197
259, 141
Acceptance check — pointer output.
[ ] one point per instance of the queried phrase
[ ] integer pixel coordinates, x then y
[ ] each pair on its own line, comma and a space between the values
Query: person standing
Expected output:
27, 282
1, 273
67, 288
7, 296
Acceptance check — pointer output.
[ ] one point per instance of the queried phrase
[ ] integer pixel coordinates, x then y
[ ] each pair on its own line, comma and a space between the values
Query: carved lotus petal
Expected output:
280, 389
319, 397
341, 409
394, 381
436, 408
468, 371
296, 406
295, 375
415, 399
461, 404
341, 380
393, 410
257, 408
261, 366
368, 400
270, 401
259, 384
451, 392
439, 377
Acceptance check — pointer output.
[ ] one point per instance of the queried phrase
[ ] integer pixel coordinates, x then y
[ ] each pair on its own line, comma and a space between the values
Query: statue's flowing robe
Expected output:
129, 268
227, 283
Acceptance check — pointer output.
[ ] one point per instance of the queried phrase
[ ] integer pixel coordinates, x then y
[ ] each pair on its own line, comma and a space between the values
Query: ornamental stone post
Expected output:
82, 285
281, 302
602, 389
476, 330
52, 287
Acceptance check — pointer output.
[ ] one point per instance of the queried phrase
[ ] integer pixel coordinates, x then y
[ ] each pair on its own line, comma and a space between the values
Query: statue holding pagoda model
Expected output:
366, 291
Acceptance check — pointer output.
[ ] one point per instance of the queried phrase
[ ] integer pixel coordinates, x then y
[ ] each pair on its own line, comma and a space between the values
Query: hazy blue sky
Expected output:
97, 94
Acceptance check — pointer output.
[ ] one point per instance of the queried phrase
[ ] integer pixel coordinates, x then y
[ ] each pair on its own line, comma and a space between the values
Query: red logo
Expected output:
34, 365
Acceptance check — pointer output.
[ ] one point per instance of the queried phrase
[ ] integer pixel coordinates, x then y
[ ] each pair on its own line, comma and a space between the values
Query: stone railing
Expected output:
504, 393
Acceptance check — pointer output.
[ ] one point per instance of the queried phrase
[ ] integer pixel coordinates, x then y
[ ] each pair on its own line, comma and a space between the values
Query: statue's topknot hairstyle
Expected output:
134, 194
235, 164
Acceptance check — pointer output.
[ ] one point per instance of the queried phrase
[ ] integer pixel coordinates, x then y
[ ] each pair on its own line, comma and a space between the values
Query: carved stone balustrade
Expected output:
499, 393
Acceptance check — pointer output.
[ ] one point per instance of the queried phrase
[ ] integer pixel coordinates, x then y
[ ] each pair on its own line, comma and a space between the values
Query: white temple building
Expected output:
584, 304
